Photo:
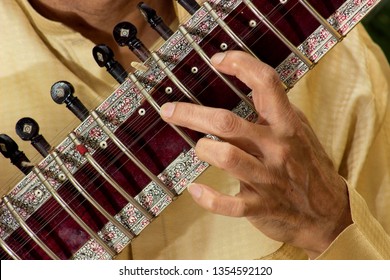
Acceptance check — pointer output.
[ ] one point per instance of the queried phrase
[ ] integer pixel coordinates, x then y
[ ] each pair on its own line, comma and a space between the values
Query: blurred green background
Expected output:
377, 24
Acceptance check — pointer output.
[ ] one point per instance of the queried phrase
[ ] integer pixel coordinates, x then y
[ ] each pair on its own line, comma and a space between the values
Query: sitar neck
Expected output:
122, 166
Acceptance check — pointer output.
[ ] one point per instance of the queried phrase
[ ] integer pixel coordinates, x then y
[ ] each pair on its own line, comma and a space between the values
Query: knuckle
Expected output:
200, 149
270, 75
228, 158
239, 210
279, 157
214, 205
234, 58
225, 122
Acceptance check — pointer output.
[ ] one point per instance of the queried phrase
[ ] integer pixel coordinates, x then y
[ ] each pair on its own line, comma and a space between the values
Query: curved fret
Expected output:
321, 20
174, 79
227, 29
88, 197
84, 152
130, 155
279, 34
157, 108
343, 17
206, 59
8, 250
71, 213
28, 230
231, 33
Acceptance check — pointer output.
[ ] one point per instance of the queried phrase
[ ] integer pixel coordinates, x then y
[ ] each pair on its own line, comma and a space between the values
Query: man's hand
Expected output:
289, 187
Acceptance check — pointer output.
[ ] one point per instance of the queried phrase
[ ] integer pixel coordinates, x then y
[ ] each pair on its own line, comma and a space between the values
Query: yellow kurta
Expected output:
345, 98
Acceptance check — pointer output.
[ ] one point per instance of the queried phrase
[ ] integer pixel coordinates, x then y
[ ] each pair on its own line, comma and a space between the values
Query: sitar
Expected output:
122, 166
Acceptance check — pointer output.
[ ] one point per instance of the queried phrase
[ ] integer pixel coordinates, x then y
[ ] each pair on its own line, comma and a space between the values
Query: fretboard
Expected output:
123, 165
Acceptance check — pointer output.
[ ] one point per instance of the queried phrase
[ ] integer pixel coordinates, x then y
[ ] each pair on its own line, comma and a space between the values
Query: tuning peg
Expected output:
155, 21
190, 5
28, 130
125, 34
104, 57
10, 149
62, 92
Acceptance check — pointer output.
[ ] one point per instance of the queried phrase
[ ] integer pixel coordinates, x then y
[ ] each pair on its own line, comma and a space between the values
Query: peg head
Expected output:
61, 91
190, 5
102, 54
8, 146
10, 149
27, 129
125, 34
149, 14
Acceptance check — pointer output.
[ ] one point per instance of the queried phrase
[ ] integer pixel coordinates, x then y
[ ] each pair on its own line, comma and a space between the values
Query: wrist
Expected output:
333, 229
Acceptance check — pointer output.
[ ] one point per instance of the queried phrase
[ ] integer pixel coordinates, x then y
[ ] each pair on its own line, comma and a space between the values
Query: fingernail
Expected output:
195, 190
218, 57
167, 110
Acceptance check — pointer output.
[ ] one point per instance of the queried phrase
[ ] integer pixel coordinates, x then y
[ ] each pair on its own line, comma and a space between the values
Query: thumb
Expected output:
217, 202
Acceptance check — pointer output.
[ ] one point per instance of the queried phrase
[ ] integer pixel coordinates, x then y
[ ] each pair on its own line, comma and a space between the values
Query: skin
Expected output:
289, 188
95, 19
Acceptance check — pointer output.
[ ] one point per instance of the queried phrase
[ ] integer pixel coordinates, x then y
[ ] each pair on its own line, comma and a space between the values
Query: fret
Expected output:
272, 28
71, 213
232, 34
28, 230
84, 152
130, 155
227, 29
174, 79
206, 59
312, 39
156, 107
321, 20
328, 9
8, 250
89, 198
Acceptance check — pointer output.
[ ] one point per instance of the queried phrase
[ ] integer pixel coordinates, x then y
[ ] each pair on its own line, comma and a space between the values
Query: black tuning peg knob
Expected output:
62, 92
104, 57
10, 149
125, 34
191, 6
155, 21
28, 130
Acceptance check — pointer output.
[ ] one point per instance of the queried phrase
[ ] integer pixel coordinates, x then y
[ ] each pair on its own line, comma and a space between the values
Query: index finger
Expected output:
269, 96
219, 122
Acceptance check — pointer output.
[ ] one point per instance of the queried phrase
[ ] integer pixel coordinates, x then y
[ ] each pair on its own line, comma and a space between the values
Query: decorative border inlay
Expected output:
321, 41
29, 194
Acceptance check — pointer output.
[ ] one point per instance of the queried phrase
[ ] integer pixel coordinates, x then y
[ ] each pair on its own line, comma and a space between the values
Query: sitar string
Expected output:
156, 114
151, 116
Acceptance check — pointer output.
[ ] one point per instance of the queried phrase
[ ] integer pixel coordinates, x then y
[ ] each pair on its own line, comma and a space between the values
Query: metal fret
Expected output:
130, 155
28, 230
343, 18
321, 20
8, 250
107, 177
174, 79
88, 197
231, 33
271, 27
156, 107
206, 59
227, 29
71, 213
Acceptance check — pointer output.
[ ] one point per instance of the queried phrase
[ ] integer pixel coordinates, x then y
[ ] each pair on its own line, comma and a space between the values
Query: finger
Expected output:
217, 202
269, 96
219, 122
243, 166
